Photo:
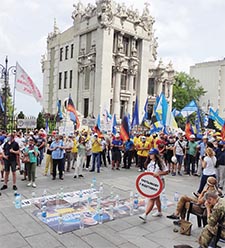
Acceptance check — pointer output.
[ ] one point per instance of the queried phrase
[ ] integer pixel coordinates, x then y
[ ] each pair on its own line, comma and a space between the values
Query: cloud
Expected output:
188, 31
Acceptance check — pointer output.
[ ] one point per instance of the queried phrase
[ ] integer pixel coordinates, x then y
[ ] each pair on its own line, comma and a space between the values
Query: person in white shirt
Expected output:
179, 152
209, 170
159, 168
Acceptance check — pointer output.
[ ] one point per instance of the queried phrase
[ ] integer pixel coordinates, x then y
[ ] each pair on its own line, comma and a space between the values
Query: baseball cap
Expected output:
153, 151
205, 137
95, 134
192, 136
117, 135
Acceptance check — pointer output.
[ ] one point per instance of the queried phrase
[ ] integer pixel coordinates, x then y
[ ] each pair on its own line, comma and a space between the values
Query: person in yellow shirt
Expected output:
74, 152
153, 139
96, 152
143, 148
136, 140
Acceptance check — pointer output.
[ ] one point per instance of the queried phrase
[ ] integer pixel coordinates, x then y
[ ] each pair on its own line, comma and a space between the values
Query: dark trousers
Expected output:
136, 157
141, 161
203, 182
96, 158
108, 156
103, 157
60, 167
88, 161
190, 164
127, 156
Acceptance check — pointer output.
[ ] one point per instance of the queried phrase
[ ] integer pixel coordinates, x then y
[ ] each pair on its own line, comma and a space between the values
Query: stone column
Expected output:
130, 101
92, 89
80, 88
116, 95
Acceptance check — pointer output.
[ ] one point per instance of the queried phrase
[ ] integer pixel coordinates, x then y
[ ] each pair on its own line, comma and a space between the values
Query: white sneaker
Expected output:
29, 184
143, 217
34, 185
139, 170
157, 214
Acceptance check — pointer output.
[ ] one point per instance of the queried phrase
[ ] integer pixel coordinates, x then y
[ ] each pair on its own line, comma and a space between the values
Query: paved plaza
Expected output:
20, 228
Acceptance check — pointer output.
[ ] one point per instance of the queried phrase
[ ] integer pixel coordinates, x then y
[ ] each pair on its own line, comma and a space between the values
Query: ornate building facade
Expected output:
105, 60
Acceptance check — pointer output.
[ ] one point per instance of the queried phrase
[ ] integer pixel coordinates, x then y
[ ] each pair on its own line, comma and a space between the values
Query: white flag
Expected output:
26, 85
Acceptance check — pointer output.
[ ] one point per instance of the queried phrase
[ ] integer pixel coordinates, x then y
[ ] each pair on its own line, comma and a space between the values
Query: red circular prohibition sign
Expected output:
140, 190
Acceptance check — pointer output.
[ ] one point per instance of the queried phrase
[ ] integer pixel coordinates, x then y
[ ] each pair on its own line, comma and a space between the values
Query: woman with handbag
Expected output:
156, 165
30, 159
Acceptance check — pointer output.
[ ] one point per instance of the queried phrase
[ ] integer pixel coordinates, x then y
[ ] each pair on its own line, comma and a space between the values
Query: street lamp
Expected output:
4, 72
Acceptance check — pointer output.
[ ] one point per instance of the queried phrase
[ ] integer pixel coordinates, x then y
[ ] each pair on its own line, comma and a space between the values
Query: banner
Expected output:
26, 85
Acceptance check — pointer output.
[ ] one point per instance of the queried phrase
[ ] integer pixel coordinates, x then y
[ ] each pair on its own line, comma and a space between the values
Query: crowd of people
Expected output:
86, 150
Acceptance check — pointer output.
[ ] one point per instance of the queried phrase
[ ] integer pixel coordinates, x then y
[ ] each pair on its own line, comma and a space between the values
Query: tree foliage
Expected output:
185, 89
40, 121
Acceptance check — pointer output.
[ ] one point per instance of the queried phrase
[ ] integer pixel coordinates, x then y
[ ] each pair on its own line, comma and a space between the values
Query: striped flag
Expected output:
124, 129
73, 113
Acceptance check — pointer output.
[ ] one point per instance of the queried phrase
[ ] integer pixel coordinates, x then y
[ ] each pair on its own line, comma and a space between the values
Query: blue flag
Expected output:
114, 124
190, 108
59, 111
1, 105
135, 119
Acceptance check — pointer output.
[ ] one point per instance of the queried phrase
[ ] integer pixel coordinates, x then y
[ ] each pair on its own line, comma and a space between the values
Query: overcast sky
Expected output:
188, 31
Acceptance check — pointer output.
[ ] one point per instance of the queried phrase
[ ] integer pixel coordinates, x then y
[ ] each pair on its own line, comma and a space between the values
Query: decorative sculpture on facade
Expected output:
104, 13
154, 47
120, 43
78, 11
147, 20
55, 32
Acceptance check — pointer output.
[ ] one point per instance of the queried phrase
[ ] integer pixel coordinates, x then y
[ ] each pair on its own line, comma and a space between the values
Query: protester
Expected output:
48, 161
80, 158
156, 165
32, 151
96, 153
220, 163
191, 150
10, 152
74, 150
88, 146
215, 212
179, 152
40, 143
68, 155
128, 152
201, 147
57, 156
103, 152
143, 148
117, 145
169, 154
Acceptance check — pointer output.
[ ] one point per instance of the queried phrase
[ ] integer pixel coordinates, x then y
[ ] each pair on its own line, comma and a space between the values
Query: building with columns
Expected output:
211, 76
105, 60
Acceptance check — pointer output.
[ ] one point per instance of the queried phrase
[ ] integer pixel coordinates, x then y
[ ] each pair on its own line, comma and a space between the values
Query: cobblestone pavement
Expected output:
19, 228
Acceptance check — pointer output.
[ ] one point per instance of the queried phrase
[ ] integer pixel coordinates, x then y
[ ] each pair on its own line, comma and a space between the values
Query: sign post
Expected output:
148, 185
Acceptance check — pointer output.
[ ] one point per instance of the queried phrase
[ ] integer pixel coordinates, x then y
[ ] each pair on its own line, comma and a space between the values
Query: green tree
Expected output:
185, 89
40, 121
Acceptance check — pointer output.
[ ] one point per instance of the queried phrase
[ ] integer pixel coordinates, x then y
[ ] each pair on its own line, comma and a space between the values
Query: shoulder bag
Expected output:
185, 227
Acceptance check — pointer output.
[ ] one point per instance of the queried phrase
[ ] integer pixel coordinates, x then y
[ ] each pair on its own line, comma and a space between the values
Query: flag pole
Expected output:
14, 101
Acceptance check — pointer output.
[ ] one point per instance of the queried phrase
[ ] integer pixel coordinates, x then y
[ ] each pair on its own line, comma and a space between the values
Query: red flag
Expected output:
223, 132
124, 129
188, 129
